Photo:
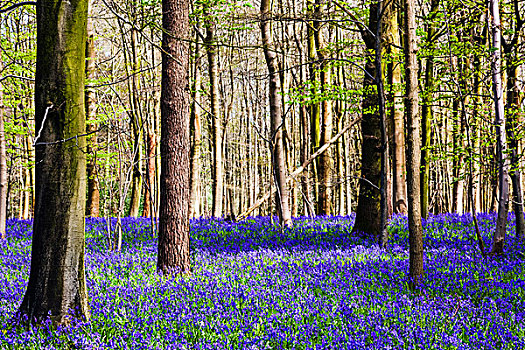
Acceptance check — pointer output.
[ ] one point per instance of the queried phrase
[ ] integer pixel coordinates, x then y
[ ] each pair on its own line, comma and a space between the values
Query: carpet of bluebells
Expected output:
312, 286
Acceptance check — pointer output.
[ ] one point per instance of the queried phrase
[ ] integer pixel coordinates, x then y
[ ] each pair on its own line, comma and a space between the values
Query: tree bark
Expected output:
324, 206
413, 151
397, 115
93, 197
503, 164
276, 117
195, 130
513, 110
174, 239
367, 219
57, 284
426, 112
216, 121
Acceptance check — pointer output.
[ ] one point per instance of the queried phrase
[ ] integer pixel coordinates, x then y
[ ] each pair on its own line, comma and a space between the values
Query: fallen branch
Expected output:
299, 170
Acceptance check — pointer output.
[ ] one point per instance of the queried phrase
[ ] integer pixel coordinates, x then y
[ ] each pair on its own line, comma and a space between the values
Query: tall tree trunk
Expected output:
93, 197
413, 151
216, 121
276, 117
57, 284
324, 206
503, 164
315, 106
426, 113
512, 125
137, 128
174, 230
397, 115
367, 219
195, 133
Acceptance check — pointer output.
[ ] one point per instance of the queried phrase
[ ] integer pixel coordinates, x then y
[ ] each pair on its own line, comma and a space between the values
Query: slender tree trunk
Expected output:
315, 106
515, 172
137, 128
57, 284
397, 115
195, 131
149, 198
324, 205
426, 112
216, 122
413, 151
174, 239
503, 164
93, 197
276, 116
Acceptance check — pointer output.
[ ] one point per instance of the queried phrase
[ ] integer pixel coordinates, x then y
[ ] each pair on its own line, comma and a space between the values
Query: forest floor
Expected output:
312, 286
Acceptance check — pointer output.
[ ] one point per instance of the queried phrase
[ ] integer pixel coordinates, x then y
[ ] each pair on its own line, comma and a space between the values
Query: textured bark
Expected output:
276, 117
413, 151
503, 163
216, 122
57, 285
383, 211
174, 242
93, 197
3, 163
367, 219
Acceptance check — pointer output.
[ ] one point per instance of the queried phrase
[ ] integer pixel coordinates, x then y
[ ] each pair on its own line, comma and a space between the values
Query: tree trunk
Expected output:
512, 125
195, 132
216, 122
315, 106
276, 117
367, 219
93, 197
137, 128
324, 206
426, 113
57, 284
174, 239
397, 115
413, 151
503, 164
149, 197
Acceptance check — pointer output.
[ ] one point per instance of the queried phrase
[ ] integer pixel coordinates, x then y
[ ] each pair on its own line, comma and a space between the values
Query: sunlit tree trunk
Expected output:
174, 240
503, 163
216, 121
276, 117
57, 284
413, 151
195, 134
93, 197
